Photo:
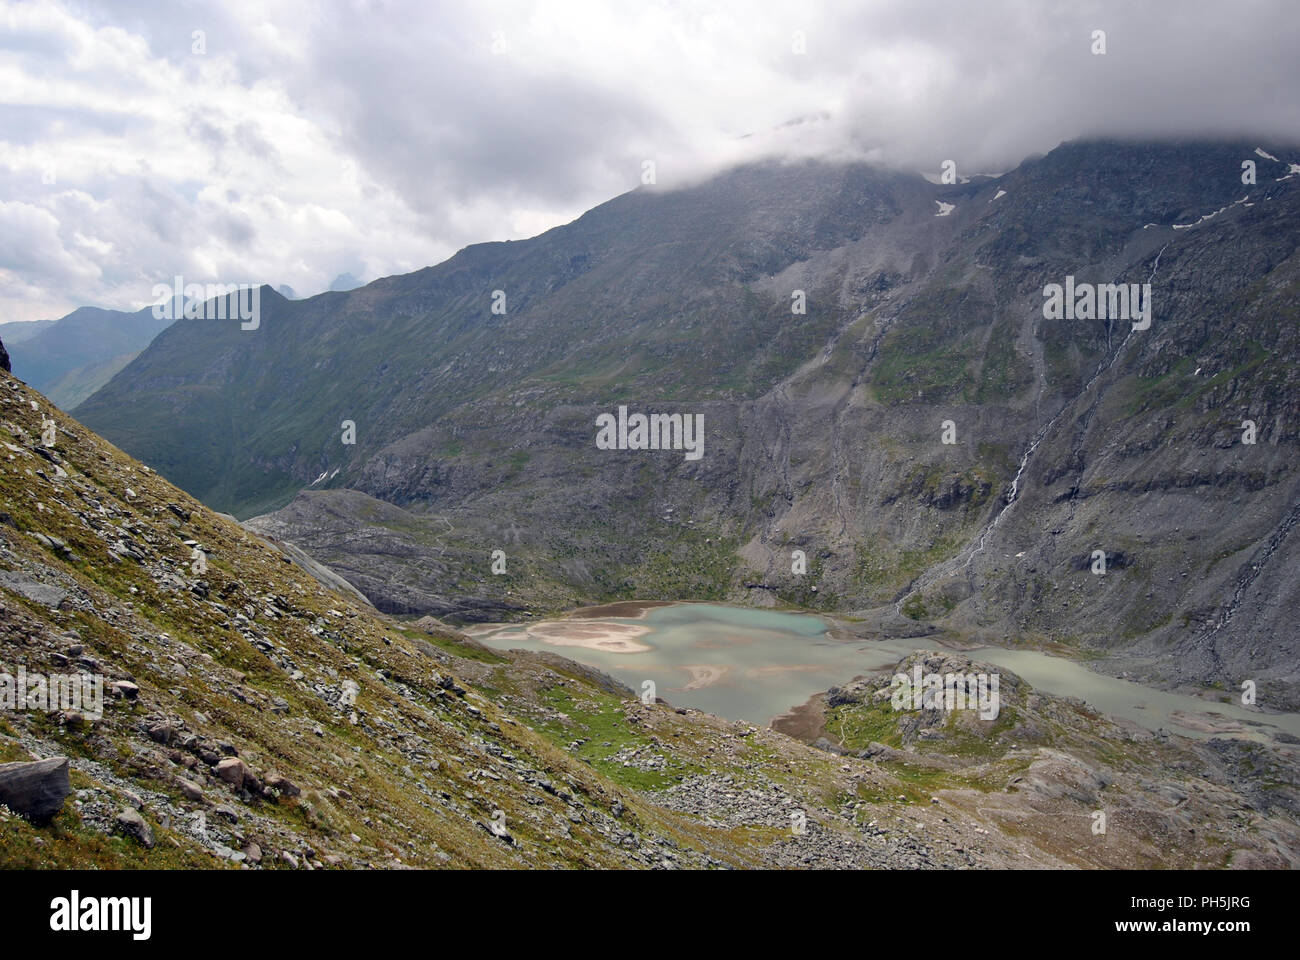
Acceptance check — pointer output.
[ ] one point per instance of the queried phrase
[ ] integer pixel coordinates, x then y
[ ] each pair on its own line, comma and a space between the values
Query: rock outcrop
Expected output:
35, 790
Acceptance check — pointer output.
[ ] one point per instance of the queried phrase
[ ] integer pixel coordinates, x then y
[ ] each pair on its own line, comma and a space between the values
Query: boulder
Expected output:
839, 697
131, 824
163, 732
348, 694
285, 786
35, 790
33, 590
234, 771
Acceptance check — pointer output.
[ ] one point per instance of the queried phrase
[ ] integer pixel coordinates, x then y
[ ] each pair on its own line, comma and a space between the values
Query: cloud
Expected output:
379, 137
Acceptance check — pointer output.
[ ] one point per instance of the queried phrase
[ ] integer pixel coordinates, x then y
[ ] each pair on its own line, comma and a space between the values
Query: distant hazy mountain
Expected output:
344, 282
17, 331
824, 429
70, 358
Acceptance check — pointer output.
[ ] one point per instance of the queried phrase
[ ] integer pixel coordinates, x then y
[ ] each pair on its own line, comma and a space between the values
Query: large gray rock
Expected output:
35, 790
234, 771
131, 824
284, 785
33, 590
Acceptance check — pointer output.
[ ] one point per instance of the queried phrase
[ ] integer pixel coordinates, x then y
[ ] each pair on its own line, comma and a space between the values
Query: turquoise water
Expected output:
747, 664
734, 662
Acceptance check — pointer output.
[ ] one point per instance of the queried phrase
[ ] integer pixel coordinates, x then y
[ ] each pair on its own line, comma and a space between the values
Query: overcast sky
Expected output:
308, 140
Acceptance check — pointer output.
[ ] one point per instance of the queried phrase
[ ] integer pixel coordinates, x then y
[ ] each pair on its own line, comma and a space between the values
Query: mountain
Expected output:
16, 331
255, 716
344, 282
925, 318
74, 356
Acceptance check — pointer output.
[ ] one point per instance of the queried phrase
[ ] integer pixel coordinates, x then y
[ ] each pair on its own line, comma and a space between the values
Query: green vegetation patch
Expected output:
600, 721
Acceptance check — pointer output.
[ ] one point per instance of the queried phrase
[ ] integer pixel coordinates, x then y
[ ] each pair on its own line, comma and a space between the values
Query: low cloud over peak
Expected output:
239, 143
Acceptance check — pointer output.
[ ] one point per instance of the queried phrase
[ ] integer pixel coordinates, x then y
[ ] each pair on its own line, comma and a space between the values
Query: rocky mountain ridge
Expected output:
824, 430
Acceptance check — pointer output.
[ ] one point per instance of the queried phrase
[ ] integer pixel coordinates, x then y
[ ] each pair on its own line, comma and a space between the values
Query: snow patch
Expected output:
1208, 216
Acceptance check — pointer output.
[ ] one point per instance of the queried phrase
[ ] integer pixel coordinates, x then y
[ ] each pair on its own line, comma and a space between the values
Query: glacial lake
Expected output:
747, 664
